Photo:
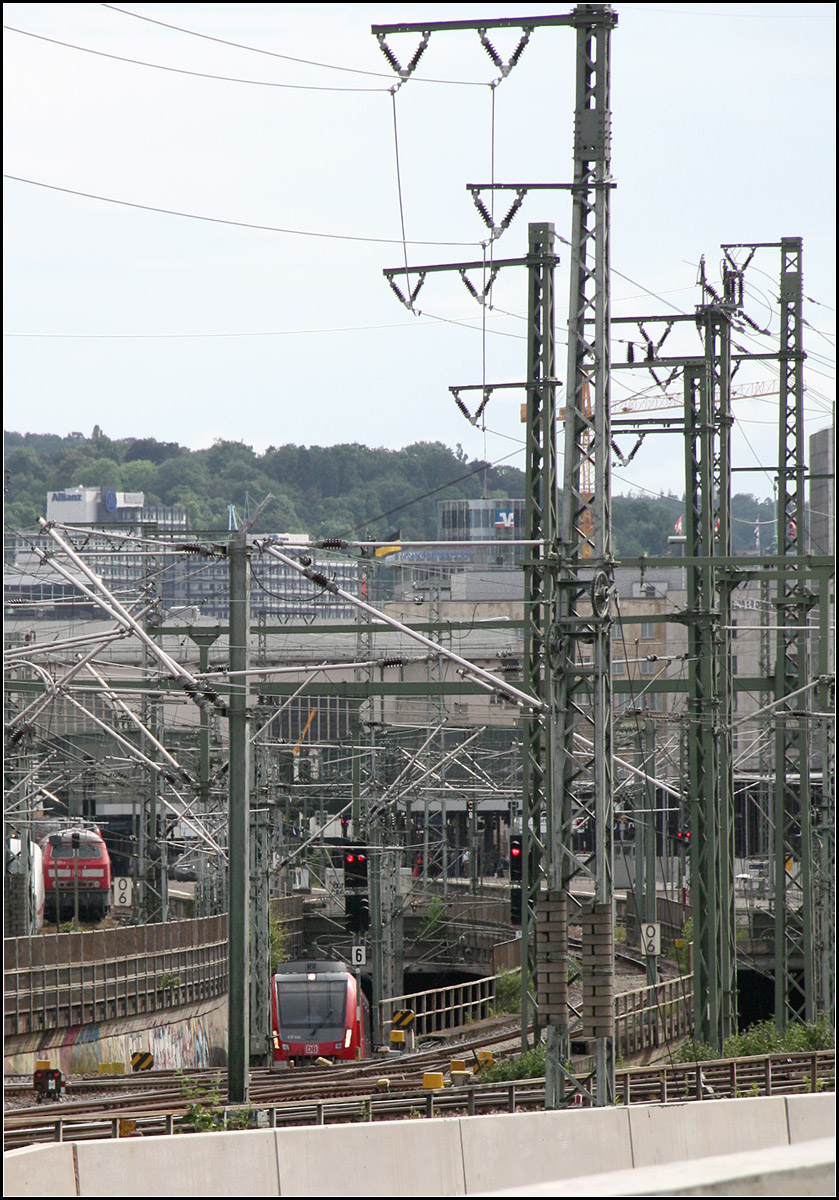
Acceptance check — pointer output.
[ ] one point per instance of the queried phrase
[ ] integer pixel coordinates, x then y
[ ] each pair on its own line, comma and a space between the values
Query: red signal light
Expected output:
516, 851
350, 858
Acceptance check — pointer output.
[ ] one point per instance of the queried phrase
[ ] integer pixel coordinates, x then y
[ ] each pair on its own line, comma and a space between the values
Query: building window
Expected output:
647, 630
618, 666
648, 668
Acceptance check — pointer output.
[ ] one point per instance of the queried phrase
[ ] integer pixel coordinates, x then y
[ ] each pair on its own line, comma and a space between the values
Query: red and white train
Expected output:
319, 1011
81, 857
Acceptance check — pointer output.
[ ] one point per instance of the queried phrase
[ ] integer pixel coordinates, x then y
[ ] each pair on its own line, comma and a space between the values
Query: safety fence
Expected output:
645, 1017
54, 981
57, 980
439, 1009
654, 1015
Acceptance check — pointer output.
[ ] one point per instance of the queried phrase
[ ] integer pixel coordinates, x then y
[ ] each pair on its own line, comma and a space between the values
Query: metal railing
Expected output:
645, 1017
654, 1015
439, 1009
54, 981
763, 1075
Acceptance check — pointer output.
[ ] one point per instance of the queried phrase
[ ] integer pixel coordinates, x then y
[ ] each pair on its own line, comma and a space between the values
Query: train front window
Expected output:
312, 1011
86, 850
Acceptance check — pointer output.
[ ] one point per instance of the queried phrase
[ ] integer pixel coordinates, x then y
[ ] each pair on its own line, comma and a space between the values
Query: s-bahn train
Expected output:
319, 1011
67, 848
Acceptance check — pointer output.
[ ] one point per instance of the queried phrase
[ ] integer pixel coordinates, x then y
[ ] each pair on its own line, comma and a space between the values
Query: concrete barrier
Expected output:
663, 1133
392, 1158
806, 1169
451, 1156
199, 1164
499, 1150
40, 1171
811, 1116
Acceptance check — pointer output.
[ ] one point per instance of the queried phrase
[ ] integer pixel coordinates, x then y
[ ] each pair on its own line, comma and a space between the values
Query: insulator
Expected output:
650, 351
462, 408
663, 337
482, 209
490, 49
482, 406
514, 208
398, 291
419, 53
392, 662
630, 352
519, 50
389, 55
469, 285
333, 544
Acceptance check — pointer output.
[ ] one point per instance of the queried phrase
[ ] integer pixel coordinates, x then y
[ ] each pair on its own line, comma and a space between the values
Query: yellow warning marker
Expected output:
397, 1038
457, 1064
383, 1085
42, 1064
126, 1127
432, 1080
485, 1060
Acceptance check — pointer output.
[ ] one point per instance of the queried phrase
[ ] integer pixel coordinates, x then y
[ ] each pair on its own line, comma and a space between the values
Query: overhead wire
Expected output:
287, 57
342, 237
136, 62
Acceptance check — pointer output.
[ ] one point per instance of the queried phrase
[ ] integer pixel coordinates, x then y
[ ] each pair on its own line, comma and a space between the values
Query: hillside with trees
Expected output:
334, 491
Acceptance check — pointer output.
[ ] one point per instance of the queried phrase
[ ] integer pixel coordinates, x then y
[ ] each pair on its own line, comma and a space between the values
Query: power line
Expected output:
289, 58
136, 62
170, 212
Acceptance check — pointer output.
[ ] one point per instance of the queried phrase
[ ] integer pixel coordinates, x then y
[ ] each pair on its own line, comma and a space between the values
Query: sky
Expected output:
154, 324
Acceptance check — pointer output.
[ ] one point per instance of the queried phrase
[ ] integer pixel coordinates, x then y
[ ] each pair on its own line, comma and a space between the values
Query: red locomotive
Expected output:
319, 1011
82, 859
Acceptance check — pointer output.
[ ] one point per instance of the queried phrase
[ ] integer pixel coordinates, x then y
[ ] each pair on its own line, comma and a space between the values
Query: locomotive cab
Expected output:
319, 1011
77, 860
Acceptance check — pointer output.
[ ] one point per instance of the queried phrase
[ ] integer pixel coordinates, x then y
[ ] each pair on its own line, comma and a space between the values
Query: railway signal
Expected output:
515, 858
515, 905
355, 868
356, 912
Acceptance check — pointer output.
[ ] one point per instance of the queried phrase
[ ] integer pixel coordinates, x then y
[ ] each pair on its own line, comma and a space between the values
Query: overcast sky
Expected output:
187, 330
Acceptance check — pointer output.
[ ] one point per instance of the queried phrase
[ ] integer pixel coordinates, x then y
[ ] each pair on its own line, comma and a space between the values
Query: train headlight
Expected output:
347, 1039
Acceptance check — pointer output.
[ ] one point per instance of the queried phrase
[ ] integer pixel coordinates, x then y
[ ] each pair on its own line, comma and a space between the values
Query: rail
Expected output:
762, 1075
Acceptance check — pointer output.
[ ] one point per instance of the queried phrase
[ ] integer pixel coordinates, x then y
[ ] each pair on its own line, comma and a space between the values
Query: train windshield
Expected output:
314, 1010
86, 850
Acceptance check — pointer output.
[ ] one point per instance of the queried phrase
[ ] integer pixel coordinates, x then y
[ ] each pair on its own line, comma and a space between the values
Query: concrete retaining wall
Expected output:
192, 1036
452, 1156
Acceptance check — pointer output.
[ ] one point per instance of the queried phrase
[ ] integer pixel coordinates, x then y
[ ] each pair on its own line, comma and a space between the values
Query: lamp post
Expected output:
74, 841
55, 842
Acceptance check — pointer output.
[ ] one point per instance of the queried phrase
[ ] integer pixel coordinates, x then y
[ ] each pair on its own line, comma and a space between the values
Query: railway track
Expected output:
171, 1102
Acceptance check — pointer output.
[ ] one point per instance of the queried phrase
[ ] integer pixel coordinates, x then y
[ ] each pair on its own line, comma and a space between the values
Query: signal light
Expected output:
683, 836
515, 857
356, 913
355, 869
515, 906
